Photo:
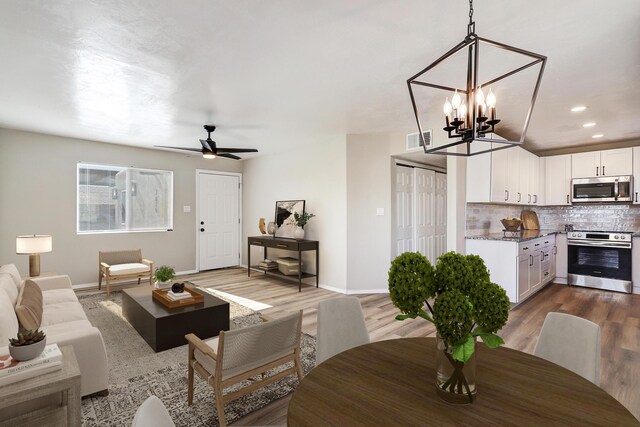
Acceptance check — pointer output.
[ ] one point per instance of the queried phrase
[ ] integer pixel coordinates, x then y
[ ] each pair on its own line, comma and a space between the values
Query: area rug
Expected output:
137, 372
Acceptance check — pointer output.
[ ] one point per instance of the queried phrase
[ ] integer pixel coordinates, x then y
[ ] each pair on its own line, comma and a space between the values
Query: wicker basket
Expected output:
511, 224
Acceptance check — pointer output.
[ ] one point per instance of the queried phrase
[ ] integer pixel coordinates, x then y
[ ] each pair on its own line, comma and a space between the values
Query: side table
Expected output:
51, 399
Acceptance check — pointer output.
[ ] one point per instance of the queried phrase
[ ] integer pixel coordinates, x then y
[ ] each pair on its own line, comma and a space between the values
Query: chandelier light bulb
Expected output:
456, 100
491, 99
480, 97
447, 107
463, 111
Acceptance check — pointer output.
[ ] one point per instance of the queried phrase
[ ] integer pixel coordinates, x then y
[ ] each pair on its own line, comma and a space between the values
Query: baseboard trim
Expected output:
332, 288
367, 291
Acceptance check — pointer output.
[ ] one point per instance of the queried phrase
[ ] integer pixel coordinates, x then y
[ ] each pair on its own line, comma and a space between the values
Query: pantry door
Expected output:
218, 220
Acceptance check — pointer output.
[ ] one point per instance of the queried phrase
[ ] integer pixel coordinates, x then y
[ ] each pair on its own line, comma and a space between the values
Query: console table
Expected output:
289, 245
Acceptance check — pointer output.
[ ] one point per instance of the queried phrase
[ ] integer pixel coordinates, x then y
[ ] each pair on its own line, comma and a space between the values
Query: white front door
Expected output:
218, 220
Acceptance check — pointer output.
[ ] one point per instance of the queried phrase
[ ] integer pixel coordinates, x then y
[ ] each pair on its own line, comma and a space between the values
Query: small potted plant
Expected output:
164, 275
301, 220
466, 305
27, 345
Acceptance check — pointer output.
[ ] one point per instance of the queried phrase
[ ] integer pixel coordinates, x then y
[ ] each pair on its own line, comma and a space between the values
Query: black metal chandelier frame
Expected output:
479, 125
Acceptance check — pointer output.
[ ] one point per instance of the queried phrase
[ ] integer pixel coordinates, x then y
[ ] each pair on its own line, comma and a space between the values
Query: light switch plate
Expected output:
379, 211
186, 209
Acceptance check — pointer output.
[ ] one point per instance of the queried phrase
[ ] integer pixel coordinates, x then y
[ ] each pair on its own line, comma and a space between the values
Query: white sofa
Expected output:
64, 322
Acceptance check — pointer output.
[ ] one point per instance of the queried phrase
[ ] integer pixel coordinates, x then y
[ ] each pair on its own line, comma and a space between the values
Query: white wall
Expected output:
38, 193
315, 172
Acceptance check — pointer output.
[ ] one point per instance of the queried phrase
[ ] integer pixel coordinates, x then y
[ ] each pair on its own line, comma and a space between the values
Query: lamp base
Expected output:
34, 265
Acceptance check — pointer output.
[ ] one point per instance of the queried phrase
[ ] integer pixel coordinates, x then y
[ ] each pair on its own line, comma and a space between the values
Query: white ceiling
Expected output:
269, 72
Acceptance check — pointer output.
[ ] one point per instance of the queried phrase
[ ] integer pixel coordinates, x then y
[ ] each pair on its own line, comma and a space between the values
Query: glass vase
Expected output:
455, 380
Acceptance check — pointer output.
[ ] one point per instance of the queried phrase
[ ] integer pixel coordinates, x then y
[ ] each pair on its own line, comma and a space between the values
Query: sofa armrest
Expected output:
53, 282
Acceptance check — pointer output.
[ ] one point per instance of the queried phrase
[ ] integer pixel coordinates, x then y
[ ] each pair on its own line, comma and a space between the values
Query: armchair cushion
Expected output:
29, 306
7, 284
129, 268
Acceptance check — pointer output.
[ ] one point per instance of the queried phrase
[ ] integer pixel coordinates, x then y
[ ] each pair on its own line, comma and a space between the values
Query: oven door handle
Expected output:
600, 244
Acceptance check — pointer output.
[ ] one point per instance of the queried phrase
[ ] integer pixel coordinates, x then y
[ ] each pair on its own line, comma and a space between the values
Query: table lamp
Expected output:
33, 245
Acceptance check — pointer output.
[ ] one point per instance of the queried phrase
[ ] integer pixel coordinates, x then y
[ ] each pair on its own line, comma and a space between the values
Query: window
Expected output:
118, 199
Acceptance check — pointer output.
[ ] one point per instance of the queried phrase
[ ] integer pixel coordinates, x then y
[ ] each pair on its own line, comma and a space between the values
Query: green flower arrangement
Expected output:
302, 219
467, 305
164, 273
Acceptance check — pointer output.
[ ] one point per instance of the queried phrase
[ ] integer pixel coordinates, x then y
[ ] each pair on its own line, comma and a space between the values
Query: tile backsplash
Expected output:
615, 217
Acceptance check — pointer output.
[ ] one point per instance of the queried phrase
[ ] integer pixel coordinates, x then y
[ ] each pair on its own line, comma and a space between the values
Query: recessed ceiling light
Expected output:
588, 125
578, 108
598, 135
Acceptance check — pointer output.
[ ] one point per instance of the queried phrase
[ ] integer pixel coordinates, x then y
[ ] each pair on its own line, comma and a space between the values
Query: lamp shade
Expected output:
33, 244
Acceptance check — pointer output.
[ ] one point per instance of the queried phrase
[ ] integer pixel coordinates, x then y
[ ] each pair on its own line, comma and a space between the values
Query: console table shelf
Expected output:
289, 245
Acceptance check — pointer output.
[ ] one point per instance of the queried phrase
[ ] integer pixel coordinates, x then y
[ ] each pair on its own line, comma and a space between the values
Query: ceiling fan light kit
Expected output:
210, 150
470, 115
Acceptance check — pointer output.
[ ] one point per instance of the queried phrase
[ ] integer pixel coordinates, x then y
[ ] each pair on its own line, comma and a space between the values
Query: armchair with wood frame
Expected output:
246, 353
123, 265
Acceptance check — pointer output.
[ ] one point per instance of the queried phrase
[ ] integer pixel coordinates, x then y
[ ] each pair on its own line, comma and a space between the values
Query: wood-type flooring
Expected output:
617, 314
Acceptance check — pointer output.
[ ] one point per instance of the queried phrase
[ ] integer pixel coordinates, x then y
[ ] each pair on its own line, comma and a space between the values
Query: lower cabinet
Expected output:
520, 268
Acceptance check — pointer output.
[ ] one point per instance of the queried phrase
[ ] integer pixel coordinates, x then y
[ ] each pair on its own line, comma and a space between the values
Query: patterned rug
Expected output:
136, 372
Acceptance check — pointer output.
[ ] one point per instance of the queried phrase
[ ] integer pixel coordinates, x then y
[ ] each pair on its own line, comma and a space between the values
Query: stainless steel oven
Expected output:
599, 259
602, 189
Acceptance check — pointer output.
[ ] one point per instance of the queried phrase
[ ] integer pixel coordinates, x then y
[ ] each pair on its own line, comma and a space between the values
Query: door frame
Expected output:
197, 211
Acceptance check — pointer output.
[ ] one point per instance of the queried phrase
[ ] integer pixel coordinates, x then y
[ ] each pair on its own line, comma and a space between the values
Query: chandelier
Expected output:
471, 115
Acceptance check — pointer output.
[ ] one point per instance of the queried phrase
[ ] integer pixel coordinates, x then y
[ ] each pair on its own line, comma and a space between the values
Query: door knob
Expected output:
202, 229
201, 222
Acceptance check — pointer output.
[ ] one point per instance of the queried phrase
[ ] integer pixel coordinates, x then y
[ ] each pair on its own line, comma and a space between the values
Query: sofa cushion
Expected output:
12, 271
8, 319
62, 312
58, 330
55, 296
29, 305
7, 284
131, 268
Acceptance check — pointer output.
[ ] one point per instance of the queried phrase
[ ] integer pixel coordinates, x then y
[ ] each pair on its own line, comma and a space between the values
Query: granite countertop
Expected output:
507, 236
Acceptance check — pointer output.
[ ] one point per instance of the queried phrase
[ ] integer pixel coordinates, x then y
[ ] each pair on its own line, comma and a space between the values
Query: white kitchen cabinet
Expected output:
534, 180
519, 268
557, 180
602, 163
561, 258
499, 173
635, 265
523, 164
636, 177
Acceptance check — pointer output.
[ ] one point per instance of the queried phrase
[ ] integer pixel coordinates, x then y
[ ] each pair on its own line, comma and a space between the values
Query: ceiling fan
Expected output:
209, 149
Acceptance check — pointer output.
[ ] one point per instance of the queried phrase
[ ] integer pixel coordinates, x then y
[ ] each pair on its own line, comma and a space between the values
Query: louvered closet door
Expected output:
425, 213
440, 207
404, 210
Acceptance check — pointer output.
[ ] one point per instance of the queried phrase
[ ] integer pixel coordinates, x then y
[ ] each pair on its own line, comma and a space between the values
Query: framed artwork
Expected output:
285, 222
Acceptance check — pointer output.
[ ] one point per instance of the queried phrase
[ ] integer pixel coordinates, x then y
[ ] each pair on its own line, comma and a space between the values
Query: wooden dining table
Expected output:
392, 383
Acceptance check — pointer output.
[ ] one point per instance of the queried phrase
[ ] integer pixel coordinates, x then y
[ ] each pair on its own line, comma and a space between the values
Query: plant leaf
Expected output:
492, 340
406, 316
463, 352
425, 316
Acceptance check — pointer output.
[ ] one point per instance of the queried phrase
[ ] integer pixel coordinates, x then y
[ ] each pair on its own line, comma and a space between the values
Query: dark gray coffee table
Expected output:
164, 328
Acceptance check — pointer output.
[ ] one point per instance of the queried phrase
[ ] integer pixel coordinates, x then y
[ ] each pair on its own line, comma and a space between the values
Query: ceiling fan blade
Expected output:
207, 146
237, 150
198, 150
229, 156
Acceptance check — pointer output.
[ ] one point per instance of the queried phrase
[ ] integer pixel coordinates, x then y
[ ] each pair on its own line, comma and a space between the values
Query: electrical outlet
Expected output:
186, 209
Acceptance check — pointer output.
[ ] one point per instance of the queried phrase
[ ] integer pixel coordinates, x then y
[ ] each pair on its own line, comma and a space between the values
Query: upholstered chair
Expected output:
341, 326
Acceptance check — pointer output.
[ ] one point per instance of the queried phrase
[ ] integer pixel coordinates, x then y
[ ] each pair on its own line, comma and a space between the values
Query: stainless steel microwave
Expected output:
602, 189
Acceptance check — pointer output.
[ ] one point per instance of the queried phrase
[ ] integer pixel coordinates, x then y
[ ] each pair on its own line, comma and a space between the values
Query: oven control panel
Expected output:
598, 235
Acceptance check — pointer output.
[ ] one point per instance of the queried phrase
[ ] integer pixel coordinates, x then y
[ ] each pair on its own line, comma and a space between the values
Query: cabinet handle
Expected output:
636, 197
529, 198
506, 195
602, 170
530, 260
535, 198
256, 243
555, 250
281, 246
567, 199
597, 170
519, 196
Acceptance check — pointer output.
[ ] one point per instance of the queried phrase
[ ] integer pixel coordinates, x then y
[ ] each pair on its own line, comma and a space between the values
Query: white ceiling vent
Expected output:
414, 143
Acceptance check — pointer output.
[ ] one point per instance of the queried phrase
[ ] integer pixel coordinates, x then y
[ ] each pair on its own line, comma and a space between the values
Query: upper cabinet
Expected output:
504, 176
636, 176
557, 179
602, 163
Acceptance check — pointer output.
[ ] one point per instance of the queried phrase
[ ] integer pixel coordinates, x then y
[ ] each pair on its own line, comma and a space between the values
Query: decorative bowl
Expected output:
511, 224
27, 352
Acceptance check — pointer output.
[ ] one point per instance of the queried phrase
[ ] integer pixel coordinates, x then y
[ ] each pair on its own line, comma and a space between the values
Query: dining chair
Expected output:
341, 326
571, 342
152, 413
